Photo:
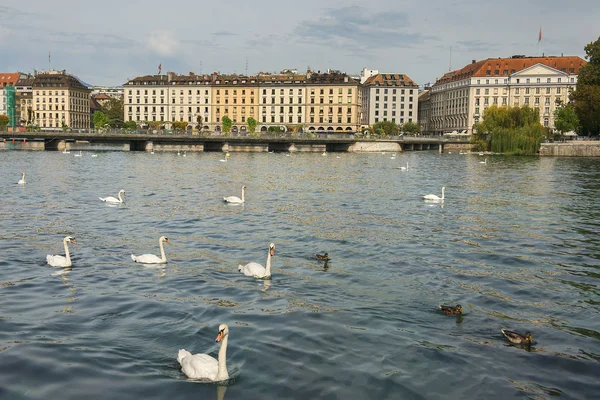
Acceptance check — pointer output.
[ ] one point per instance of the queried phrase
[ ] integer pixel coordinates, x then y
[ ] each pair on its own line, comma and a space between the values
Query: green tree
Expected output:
412, 128
65, 127
252, 124
100, 120
565, 118
510, 130
586, 97
154, 125
130, 125
199, 121
385, 128
113, 109
4, 120
227, 124
180, 125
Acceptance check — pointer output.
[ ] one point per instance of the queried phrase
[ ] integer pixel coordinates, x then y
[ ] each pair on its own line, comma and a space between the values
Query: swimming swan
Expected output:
255, 269
203, 366
61, 261
404, 168
483, 162
235, 199
151, 258
111, 199
434, 197
22, 180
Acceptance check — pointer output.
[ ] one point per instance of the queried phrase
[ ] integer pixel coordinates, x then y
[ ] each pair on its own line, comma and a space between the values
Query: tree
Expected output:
565, 118
179, 125
130, 125
227, 123
114, 110
4, 119
511, 130
412, 128
100, 120
385, 128
586, 97
154, 124
252, 124
199, 121
65, 127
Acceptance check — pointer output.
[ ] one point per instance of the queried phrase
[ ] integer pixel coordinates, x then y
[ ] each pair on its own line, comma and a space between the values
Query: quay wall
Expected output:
375, 147
571, 149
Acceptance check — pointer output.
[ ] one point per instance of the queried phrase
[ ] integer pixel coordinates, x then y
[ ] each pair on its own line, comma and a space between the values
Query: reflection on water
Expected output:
516, 242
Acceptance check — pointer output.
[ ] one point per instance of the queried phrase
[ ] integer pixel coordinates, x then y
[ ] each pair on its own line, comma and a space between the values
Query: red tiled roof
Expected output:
507, 66
390, 80
101, 96
9, 78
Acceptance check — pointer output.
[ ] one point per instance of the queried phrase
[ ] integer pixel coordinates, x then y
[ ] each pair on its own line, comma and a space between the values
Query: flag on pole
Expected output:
540, 36
160, 68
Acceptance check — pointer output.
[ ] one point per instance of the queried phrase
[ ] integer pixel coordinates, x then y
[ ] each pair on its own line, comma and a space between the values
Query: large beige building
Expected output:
459, 98
313, 101
388, 97
60, 99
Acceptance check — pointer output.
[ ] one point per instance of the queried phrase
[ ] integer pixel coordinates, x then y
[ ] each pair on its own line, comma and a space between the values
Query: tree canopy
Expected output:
227, 124
113, 109
4, 119
385, 128
100, 120
412, 128
586, 97
511, 130
565, 118
180, 125
252, 124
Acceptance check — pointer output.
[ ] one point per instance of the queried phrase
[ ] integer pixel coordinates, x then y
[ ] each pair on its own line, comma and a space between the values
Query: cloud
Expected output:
354, 27
163, 43
224, 33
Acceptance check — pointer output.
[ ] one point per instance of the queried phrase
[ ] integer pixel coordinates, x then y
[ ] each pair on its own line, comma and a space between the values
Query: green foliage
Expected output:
227, 124
412, 128
113, 109
511, 130
65, 127
385, 128
199, 121
565, 118
586, 97
100, 120
130, 125
4, 119
154, 125
275, 129
252, 124
180, 125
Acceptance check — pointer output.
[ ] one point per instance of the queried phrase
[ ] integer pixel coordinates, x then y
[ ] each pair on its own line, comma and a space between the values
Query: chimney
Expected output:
473, 61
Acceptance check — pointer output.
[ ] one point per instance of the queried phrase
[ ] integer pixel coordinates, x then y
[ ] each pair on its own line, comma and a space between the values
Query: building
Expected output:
282, 100
8, 81
169, 98
389, 97
24, 100
424, 113
459, 98
101, 98
60, 100
234, 97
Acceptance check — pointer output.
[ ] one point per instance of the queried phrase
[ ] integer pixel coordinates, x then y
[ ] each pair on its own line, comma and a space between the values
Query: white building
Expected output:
459, 98
389, 97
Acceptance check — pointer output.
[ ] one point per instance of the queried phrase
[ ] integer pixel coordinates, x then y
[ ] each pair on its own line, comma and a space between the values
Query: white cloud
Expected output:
163, 43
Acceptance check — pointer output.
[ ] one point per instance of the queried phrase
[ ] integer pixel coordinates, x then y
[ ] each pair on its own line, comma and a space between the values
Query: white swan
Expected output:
22, 180
434, 197
404, 168
94, 155
235, 199
62, 261
185, 153
151, 258
483, 162
78, 155
111, 199
255, 269
203, 366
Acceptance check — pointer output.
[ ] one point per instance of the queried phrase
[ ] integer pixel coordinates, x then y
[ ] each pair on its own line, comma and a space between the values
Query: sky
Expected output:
109, 42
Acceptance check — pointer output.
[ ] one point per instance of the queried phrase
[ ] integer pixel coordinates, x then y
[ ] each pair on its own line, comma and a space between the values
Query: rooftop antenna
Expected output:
200, 72
450, 60
48, 61
246, 66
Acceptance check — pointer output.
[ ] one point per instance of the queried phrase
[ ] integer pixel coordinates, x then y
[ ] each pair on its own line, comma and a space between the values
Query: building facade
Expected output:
459, 98
8, 106
389, 97
282, 100
60, 100
424, 113
234, 96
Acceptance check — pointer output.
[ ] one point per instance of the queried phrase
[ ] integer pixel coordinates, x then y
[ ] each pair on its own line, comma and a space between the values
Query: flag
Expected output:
160, 67
540, 36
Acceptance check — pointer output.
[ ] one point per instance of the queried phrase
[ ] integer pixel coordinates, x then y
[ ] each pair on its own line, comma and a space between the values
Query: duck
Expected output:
322, 257
203, 366
516, 338
111, 199
433, 197
62, 261
256, 270
235, 199
151, 258
450, 310
22, 180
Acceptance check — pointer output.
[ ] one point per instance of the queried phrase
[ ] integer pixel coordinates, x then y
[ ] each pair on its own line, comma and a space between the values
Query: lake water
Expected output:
516, 243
